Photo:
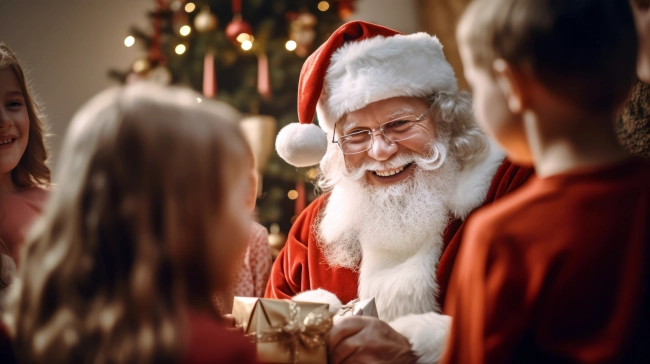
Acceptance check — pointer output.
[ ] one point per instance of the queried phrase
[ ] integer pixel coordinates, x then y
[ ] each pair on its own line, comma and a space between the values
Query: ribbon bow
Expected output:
310, 332
348, 307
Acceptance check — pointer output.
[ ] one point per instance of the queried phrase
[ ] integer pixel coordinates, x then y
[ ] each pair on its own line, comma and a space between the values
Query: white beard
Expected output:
396, 229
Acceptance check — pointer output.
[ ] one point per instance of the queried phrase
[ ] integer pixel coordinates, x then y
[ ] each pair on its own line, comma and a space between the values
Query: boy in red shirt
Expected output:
558, 270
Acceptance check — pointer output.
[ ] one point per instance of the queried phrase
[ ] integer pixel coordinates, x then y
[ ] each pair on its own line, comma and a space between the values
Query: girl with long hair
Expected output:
147, 221
24, 176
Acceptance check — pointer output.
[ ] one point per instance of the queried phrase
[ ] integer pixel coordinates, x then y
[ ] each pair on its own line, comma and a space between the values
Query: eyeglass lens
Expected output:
393, 130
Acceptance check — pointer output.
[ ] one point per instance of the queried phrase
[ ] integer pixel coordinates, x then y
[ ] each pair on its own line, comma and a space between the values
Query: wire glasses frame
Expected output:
393, 131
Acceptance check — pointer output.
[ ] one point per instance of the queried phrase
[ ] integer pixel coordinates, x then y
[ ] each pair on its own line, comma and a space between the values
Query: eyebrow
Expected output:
15, 93
398, 112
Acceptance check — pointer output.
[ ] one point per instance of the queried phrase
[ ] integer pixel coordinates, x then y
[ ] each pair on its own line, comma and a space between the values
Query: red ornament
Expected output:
236, 27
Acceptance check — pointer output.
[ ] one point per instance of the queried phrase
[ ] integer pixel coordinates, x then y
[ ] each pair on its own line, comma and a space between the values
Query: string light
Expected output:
140, 65
323, 6
244, 37
246, 45
291, 45
293, 194
180, 49
185, 30
189, 7
129, 41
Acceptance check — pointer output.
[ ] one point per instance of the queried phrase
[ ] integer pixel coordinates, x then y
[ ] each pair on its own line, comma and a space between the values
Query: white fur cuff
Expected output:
320, 296
427, 333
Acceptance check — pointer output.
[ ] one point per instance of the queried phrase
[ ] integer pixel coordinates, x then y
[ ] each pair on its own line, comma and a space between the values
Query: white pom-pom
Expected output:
301, 145
320, 296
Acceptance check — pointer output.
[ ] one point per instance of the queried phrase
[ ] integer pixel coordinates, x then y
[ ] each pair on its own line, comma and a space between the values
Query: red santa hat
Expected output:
359, 64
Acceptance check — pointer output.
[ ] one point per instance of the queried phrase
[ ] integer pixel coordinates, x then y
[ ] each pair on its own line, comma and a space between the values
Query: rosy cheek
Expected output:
354, 161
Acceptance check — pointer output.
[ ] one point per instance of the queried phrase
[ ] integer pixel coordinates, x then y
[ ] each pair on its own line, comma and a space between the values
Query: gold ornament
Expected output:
205, 21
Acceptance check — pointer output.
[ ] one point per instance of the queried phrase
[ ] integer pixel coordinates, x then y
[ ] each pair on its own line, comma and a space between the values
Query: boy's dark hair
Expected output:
584, 50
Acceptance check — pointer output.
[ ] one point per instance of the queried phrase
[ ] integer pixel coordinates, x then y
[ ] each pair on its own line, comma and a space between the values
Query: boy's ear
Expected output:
510, 83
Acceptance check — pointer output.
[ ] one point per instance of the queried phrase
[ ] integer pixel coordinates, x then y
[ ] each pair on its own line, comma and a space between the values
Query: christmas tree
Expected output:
248, 53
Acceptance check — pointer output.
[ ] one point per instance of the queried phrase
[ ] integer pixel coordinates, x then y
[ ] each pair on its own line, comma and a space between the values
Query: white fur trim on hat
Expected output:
380, 68
320, 295
301, 145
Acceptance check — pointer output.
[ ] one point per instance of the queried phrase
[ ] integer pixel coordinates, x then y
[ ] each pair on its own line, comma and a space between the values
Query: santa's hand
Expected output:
355, 339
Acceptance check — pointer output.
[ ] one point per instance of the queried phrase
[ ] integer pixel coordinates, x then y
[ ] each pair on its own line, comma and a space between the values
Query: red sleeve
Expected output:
290, 272
485, 298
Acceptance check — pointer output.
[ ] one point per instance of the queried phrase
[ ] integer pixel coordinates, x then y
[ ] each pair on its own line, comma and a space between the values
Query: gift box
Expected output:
284, 331
357, 307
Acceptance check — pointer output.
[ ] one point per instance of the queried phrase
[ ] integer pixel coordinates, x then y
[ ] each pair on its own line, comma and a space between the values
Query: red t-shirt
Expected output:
557, 272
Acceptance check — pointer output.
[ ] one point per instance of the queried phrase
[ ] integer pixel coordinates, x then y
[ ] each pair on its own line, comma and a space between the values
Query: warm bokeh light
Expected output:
243, 37
293, 194
246, 45
185, 30
129, 41
323, 6
189, 7
198, 99
291, 45
180, 49
140, 65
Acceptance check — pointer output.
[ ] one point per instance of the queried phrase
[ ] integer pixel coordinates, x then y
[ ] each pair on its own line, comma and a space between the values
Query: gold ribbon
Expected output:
348, 307
310, 332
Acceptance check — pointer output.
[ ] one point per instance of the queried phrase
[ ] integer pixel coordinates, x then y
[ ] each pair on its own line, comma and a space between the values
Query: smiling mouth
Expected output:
6, 141
392, 171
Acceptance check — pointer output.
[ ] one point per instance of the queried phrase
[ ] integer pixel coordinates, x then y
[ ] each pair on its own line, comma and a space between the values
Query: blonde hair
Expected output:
31, 169
124, 241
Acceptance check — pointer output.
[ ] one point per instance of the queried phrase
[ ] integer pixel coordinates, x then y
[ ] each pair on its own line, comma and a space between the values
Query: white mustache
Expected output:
430, 162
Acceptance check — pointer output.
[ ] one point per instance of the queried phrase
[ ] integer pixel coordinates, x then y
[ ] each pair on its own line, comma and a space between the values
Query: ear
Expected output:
510, 83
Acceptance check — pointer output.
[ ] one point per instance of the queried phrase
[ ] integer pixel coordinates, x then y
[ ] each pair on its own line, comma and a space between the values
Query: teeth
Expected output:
390, 172
6, 141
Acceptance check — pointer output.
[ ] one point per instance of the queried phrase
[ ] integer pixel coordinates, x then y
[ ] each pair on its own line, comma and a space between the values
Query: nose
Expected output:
382, 148
5, 120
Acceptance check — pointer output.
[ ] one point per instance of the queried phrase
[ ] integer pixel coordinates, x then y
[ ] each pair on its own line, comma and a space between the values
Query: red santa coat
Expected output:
301, 265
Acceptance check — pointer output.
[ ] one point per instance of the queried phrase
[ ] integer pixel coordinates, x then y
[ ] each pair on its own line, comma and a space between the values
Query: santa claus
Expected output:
402, 164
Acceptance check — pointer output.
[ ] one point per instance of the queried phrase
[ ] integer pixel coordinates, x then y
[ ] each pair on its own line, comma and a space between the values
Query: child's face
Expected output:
14, 121
492, 111
235, 224
252, 195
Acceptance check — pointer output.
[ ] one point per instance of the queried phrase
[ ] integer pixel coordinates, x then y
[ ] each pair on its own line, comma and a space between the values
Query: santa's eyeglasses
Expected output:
393, 131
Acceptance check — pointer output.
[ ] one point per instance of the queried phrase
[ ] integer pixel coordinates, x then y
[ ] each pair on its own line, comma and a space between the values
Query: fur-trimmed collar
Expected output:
474, 181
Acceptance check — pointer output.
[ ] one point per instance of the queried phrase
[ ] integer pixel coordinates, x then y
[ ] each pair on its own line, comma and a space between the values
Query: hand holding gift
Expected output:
284, 331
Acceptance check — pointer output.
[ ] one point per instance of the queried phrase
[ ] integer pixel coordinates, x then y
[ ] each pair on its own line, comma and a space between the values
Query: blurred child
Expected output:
24, 176
145, 225
254, 270
557, 271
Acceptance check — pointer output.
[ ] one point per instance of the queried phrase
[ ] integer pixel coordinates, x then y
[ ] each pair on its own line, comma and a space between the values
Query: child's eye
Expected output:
14, 104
